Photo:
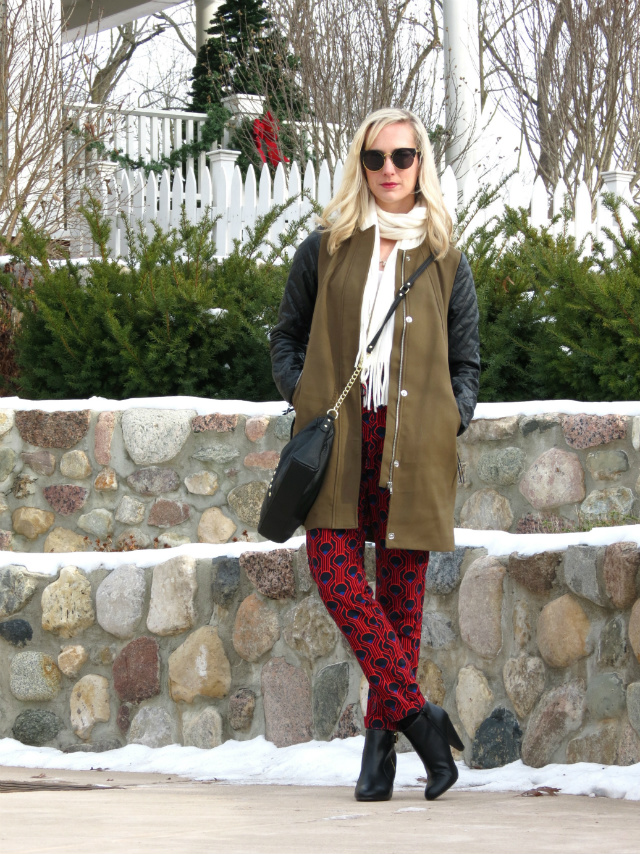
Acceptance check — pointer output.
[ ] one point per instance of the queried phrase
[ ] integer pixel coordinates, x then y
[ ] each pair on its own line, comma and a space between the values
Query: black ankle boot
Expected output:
431, 733
378, 771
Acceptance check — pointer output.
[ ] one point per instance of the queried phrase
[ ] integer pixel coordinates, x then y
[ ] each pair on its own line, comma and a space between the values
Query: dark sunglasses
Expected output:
402, 158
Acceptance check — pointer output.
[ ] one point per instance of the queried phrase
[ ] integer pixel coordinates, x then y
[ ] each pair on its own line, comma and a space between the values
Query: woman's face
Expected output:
393, 188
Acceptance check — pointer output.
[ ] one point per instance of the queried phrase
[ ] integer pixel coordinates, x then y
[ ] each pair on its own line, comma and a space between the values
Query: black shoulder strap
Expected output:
404, 290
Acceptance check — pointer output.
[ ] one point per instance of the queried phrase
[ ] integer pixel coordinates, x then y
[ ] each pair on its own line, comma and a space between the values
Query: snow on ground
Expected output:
205, 406
319, 763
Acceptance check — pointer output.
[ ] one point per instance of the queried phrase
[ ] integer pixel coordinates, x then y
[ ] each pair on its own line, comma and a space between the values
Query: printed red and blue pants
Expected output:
382, 630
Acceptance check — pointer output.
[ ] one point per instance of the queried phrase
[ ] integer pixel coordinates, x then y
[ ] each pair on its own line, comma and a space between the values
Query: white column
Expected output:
460, 19
205, 10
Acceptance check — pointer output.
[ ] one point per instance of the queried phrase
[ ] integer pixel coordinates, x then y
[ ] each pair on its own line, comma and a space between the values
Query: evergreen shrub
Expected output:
173, 321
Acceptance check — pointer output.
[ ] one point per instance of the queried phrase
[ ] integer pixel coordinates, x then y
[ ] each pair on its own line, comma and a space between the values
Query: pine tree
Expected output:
245, 54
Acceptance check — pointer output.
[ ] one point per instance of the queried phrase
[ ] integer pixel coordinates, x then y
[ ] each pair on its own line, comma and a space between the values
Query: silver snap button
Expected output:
404, 392
409, 319
408, 257
396, 464
391, 536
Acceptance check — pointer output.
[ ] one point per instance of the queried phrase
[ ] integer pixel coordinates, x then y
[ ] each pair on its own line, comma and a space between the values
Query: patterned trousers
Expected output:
383, 631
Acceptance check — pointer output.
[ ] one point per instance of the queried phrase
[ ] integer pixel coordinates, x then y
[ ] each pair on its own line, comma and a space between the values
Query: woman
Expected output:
392, 472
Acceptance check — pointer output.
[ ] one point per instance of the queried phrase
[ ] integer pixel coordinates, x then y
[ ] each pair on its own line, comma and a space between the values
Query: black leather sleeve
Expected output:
464, 343
290, 336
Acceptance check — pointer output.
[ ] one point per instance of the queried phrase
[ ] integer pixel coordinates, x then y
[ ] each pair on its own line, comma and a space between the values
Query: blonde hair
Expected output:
348, 209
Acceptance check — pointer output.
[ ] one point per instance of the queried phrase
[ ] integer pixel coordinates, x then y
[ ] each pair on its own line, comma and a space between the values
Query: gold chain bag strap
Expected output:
303, 462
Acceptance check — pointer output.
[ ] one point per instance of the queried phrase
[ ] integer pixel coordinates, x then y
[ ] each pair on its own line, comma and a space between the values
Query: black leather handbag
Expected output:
303, 462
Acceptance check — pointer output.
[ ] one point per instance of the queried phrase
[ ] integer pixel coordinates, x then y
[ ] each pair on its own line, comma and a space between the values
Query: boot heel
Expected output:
442, 722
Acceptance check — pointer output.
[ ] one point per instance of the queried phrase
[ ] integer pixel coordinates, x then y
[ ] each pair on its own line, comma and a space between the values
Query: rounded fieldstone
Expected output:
133, 538
6, 540
606, 696
215, 527
41, 462
120, 600
36, 727
67, 608
7, 420
166, 514
501, 467
474, 698
52, 429
283, 427
255, 427
17, 587
102, 745
265, 460
152, 727
16, 632
521, 623
286, 696
563, 629
330, 689
71, 659
498, 740
587, 431
34, 676
217, 453
256, 628
633, 705
581, 573
523, 679
66, 498
154, 436
7, 462
171, 540
480, 606
558, 713
199, 667
612, 505
271, 573
443, 571
226, 580
600, 746
628, 746
535, 572
75, 464
437, 631
103, 435
348, 725
634, 629
607, 465
246, 501
203, 730
89, 704
202, 483
309, 630
173, 589
486, 510
242, 704
429, 678
621, 563
490, 429
153, 481
106, 481
136, 671
612, 645
130, 511
31, 522
98, 522
555, 478
63, 540
217, 421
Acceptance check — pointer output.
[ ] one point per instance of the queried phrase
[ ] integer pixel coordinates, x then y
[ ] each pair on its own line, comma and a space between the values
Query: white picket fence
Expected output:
215, 183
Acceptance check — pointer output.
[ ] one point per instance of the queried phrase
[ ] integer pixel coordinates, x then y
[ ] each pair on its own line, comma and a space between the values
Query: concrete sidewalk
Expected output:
157, 814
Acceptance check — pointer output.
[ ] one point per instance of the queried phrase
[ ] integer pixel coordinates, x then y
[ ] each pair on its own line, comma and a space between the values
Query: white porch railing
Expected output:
213, 181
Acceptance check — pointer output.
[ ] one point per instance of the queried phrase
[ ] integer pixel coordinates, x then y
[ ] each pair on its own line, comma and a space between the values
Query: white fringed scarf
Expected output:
379, 292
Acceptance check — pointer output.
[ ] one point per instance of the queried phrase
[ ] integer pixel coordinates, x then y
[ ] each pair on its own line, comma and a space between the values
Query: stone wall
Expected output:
534, 657
87, 480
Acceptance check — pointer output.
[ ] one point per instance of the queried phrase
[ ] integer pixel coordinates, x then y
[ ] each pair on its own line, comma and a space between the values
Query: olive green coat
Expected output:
419, 462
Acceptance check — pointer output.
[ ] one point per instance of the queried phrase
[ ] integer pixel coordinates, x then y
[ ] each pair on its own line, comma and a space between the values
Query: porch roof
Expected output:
84, 16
